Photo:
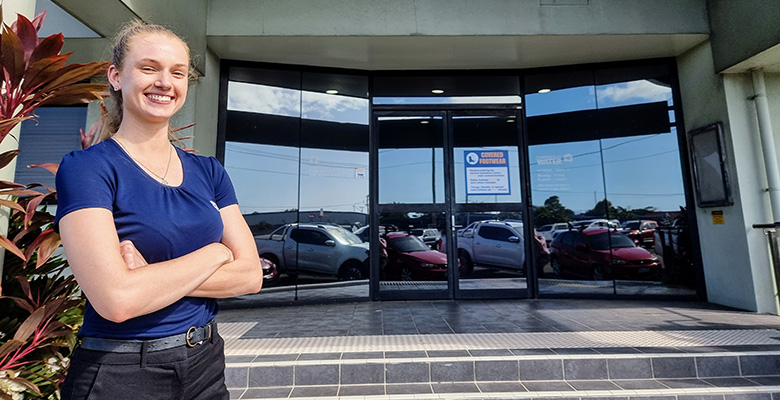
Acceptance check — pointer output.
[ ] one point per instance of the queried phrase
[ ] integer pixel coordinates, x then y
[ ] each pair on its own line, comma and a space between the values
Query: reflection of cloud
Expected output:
644, 90
263, 99
326, 107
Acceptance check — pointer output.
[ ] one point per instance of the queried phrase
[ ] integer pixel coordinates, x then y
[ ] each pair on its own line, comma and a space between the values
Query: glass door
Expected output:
411, 183
488, 211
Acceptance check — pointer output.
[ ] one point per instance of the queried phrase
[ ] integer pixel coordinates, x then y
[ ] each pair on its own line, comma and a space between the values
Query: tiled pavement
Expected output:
501, 349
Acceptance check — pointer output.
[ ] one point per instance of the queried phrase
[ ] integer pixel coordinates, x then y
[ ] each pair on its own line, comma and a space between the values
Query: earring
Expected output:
116, 89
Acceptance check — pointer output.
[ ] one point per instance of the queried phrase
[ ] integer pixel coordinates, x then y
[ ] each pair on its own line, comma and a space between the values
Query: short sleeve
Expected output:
224, 193
82, 182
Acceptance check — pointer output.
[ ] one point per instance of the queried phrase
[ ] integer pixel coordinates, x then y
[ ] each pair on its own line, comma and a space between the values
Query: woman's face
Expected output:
154, 77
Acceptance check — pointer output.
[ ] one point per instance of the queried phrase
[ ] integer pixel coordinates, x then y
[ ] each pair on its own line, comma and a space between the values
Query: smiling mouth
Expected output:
159, 98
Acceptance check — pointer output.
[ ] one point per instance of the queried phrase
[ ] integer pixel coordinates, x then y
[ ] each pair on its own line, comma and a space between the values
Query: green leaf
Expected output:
30, 324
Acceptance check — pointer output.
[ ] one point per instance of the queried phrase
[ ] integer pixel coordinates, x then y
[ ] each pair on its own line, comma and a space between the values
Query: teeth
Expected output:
159, 97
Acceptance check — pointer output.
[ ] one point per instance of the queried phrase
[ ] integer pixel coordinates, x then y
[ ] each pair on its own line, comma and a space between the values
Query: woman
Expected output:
153, 235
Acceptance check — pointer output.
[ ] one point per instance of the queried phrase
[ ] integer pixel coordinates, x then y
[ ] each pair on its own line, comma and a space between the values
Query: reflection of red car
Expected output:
641, 232
270, 273
408, 258
587, 253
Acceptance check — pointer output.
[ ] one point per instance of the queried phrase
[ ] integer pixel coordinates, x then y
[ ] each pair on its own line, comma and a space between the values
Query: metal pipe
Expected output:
767, 141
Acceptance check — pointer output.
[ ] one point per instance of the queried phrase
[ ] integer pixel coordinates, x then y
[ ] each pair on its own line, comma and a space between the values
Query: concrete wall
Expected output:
742, 29
737, 265
453, 17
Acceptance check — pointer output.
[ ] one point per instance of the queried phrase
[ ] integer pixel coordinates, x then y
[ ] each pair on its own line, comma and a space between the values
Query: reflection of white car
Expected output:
546, 231
587, 224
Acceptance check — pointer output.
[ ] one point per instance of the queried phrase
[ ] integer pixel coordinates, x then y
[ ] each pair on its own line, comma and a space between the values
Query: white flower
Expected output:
11, 388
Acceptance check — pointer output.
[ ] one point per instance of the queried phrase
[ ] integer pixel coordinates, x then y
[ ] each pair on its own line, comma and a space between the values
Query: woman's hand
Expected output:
131, 255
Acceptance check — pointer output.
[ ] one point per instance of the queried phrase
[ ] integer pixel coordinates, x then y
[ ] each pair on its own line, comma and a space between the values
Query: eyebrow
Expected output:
155, 61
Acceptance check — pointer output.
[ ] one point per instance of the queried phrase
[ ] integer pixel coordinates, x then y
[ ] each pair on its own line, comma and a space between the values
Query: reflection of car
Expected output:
428, 236
315, 249
495, 244
270, 273
641, 232
587, 253
363, 232
546, 231
408, 258
588, 224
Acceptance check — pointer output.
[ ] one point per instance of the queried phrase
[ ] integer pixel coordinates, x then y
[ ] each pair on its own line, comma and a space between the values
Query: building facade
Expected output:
422, 115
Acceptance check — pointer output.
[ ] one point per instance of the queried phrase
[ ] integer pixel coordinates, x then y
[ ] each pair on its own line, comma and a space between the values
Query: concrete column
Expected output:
767, 141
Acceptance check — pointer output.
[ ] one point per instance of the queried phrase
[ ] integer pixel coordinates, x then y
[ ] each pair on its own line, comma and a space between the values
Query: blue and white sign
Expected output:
487, 172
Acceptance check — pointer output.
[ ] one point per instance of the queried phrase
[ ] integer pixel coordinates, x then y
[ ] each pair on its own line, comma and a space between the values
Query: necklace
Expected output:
160, 178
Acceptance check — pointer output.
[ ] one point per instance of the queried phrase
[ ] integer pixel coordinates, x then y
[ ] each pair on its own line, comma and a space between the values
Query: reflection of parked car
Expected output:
587, 253
641, 232
363, 232
492, 244
546, 231
428, 236
270, 273
408, 259
315, 250
588, 224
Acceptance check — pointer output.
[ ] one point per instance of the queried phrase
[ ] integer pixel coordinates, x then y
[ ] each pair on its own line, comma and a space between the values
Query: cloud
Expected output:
263, 99
634, 90
326, 107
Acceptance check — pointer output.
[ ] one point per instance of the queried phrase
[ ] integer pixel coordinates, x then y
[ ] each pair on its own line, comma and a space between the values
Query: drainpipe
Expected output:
767, 141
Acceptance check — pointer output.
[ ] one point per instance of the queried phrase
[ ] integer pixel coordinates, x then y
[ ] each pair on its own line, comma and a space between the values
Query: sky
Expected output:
638, 171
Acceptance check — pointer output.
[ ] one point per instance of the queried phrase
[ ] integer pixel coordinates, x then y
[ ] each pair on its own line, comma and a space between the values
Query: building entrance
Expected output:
449, 212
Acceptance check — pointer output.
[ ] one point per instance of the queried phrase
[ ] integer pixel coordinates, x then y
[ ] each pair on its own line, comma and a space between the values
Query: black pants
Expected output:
180, 373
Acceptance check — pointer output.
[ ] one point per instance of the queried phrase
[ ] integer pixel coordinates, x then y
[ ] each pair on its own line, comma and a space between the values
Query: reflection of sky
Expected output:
639, 171
449, 100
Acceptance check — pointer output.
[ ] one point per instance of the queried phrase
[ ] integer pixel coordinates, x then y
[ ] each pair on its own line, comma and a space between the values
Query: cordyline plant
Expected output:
42, 307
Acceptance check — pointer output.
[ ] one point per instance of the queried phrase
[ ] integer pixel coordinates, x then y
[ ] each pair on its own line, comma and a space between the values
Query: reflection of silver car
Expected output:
496, 244
314, 249
546, 231
428, 236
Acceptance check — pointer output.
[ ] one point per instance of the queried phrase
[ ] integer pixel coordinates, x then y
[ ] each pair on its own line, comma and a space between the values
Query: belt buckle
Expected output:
187, 336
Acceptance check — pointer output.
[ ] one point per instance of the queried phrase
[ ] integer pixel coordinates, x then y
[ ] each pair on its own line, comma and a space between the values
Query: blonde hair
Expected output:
114, 112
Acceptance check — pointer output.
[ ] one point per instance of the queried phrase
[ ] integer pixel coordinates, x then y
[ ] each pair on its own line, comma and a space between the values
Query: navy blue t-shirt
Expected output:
164, 222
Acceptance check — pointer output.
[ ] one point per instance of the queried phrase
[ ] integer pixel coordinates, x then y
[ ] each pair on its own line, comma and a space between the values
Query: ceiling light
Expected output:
544, 90
332, 91
424, 122
510, 120
437, 91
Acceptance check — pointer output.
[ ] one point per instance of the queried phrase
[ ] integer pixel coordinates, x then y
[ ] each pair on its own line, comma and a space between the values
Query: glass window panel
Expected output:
444, 89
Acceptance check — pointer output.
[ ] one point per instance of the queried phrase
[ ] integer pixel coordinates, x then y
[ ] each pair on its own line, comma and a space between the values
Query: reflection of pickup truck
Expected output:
314, 249
493, 244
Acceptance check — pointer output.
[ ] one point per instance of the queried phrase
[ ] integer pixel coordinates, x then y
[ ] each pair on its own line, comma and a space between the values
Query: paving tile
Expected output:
701, 397
766, 380
236, 393
579, 350
407, 372
674, 367
361, 390
729, 382
276, 357
653, 398
629, 368
717, 366
362, 355
636, 384
760, 365
491, 352
319, 356
608, 398
616, 350
455, 388
239, 359
314, 391
659, 350
406, 354
540, 370
316, 374
267, 393
593, 385
501, 387
271, 376
448, 353
547, 386
585, 369
749, 396
236, 377
529, 352
496, 371
459, 371
419, 388
362, 373
685, 383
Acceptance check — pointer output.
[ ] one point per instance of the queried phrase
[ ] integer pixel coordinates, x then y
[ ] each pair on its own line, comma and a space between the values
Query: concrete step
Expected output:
695, 373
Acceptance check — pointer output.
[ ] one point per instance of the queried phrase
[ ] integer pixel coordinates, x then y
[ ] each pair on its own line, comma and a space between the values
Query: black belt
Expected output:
192, 338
